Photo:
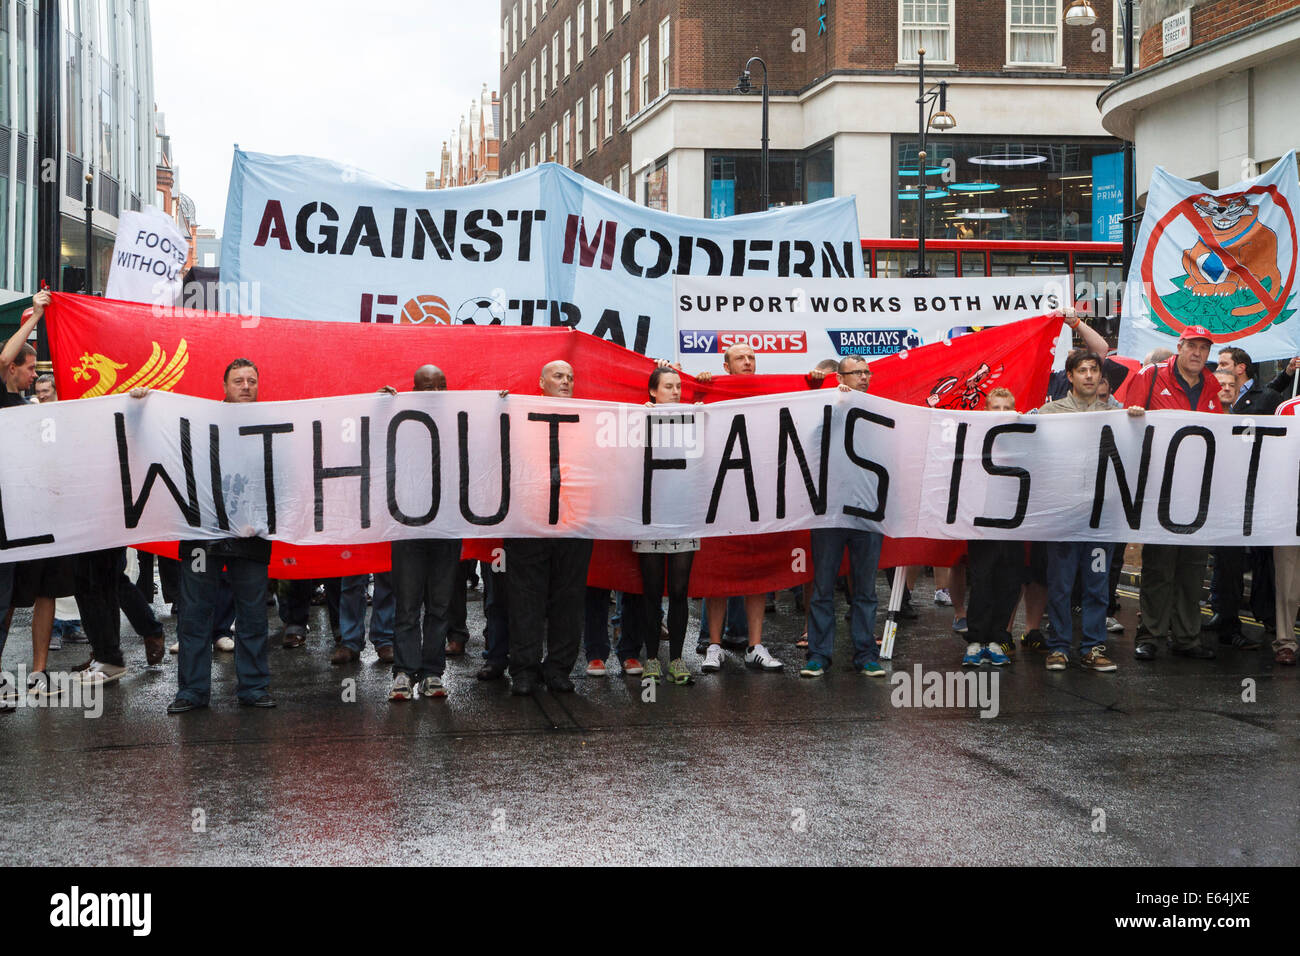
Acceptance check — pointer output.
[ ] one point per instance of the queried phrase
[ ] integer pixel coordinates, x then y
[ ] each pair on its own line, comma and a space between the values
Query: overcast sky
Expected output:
378, 85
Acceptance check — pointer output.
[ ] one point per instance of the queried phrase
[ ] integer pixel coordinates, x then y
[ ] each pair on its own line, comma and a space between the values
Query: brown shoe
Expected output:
343, 655
455, 648
1285, 655
155, 646
385, 654
294, 637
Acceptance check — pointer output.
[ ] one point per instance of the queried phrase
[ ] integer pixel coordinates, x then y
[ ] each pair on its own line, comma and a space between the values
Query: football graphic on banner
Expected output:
1224, 260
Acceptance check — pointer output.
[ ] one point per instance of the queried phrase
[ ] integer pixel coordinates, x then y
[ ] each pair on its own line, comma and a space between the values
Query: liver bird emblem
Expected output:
159, 372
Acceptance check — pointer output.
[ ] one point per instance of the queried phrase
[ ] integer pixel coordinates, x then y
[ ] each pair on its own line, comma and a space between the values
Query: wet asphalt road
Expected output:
741, 767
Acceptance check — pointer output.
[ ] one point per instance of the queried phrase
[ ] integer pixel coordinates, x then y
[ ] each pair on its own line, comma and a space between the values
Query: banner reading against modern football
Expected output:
793, 325
545, 247
1222, 259
84, 475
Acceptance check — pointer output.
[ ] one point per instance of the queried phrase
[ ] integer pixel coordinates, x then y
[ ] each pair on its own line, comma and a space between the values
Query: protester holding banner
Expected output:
994, 575
1083, 561
669, 558
424, 576
546, 579
1286, 583
1172, 574
245, 561
828, 546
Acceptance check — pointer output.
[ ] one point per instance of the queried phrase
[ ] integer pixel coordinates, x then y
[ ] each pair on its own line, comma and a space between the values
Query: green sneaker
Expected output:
678, 672
651, 670
872, 669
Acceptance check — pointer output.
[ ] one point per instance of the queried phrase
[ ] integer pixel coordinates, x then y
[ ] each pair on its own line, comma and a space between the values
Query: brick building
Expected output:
1221, 108
640, 95
473, 152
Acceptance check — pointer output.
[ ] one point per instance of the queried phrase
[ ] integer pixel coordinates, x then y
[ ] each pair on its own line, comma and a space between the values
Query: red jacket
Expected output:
1166, 392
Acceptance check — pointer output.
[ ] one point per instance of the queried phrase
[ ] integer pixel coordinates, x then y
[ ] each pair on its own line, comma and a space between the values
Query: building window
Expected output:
541, 148
534, 14
564, 151
532, 154
505, 41
555, 60
1135, 33
609, 104
505, 115
595, 22
543, 7
608, 183
593, 130
627, 8
925, 25
663, 55
735, 179
568, 46
1033, 32
581, 20
625, 105
577, 132
625, 181
545, 72
514, 108
609, 16
645, 73
656, 186
532, 89
514, 46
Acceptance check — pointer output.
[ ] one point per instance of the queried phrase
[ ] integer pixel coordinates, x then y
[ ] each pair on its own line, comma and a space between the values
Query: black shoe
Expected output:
492, 670
1212, 622
560, 684
906, 613
1145, 650
702, 648
523, 685
1239, 640
731, 644
1196, 652
266, 700
769, 607
181, 704
1032, 640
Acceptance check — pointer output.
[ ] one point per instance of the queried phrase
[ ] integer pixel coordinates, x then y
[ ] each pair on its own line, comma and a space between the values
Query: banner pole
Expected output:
891, 615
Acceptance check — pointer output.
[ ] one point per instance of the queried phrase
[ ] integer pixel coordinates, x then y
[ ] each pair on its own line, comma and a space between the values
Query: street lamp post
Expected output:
765, 196
1081, 13
942, 120
90, 210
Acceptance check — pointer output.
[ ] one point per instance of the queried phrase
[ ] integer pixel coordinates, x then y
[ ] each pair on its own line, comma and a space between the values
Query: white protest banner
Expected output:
102, 472
543, 247
1222, 259
792, 324
148, 254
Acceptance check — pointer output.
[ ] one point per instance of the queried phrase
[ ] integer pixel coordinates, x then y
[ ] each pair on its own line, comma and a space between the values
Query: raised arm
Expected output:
15, 343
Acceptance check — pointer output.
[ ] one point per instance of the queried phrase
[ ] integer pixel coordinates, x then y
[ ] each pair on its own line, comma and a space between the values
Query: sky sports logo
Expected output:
763, 341
873, 341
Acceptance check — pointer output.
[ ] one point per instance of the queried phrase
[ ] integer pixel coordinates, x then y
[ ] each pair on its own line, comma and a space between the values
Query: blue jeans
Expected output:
1066, 561
199, 596
595, 632
828, 546
352, 611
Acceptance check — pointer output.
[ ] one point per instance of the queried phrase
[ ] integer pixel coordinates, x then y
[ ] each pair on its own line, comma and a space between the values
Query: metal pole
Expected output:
49, 141
920, 165
1130, 174
767, 195
90, 211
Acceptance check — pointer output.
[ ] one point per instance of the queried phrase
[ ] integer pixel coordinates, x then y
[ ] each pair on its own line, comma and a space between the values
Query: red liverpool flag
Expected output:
105, 347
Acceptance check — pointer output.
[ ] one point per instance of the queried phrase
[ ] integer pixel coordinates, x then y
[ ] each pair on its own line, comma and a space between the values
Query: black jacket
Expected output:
1257, 401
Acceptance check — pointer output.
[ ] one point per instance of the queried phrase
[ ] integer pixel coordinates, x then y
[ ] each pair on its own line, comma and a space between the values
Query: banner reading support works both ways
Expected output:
84, 475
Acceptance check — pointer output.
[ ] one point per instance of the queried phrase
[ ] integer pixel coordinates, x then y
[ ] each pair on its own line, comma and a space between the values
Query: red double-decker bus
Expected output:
1097, 267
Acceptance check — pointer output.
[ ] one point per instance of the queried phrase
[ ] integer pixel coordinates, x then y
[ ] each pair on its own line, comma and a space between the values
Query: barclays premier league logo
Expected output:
1225, 262
873, 341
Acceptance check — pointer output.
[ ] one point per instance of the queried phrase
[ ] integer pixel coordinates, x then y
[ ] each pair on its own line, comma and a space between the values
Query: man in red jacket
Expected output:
1172, 574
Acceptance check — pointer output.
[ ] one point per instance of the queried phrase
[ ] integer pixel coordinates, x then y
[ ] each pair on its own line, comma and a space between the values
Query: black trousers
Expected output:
97, 602
546, 579
133, 604
457, 629
293, 601
995, 572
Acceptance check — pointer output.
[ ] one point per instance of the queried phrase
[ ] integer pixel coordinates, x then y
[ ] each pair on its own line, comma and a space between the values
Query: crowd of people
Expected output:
540, 612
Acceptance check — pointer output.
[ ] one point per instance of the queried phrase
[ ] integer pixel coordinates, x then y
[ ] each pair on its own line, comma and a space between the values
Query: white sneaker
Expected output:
942, 598
757, 656
432, 687
100, 673
1114, 626
401, 687
175, 648
226, 644
713, 658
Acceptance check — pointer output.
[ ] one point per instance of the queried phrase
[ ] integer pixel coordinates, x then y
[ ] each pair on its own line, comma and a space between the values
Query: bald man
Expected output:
423, 578
546, 579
